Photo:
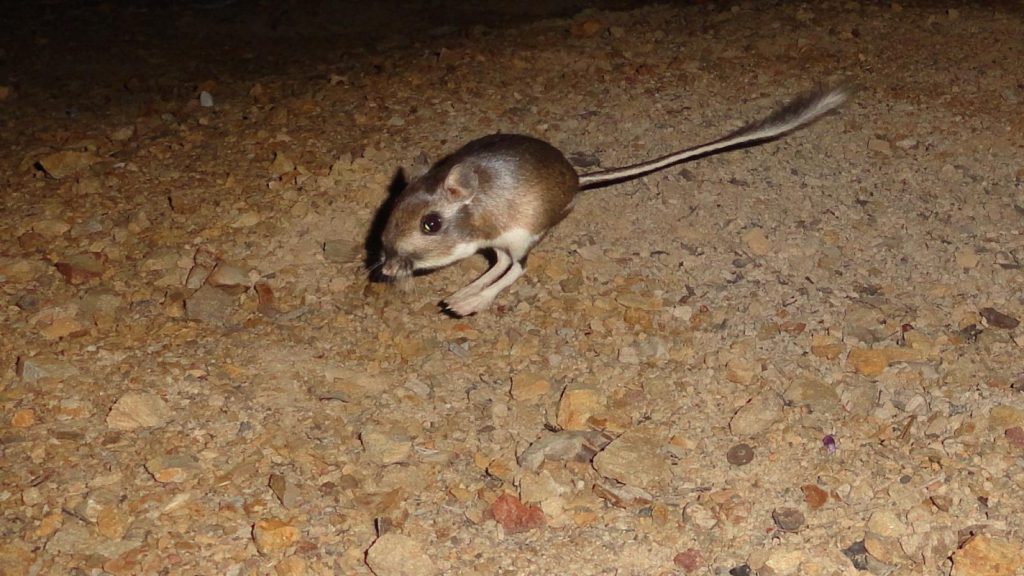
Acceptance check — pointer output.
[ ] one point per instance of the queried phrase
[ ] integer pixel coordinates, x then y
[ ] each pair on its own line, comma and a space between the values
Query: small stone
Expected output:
700, 515
756, 242
209, 304
287, 492
206, 99
886, 523
858, 555
689, 560
529, 385
634, 459
39, 367
273, 535
66, 163
138, 410
384, 447
23, 418
983, 555
788, 519
19, 270
564, 446
821, 397
867, 361
229, 279
394, 554
757, 415
742, 370
741, 570
112, 523
1003, 416
123, 133
281, 165
81, 268
576, 406
51, 227
622, 496
15, 560
515, 517
1015, 436
586, 28
880, 146
997, 319
740, 455
814, 496
967, 258
827, 351
291, 566
172, 469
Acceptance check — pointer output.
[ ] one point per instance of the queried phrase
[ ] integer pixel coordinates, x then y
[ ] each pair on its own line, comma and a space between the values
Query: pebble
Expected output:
563, 446
36, 368
1015, 436
515, 517
23, 418
66, 163
18, 270
623, 496
394, 554
700, 515
229, 279
385, 447
576, 407
208, 304
138, 410
867, 361
206, 99
740, 455
634, 459
858, 555
690, 560
172, 469
814, 496
984, 555
818, 395
757, 243
272, 535
81, 268
15, 559
784, 562
291, 566
788, 519
529, 385
998, 319
286, 491
757, 415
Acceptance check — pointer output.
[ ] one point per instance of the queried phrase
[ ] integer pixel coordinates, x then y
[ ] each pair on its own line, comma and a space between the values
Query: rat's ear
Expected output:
461, 184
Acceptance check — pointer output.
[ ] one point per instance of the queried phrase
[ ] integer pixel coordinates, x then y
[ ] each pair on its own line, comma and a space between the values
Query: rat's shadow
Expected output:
374, 236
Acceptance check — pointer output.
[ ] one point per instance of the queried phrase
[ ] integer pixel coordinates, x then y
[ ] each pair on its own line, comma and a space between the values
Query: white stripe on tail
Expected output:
799, 112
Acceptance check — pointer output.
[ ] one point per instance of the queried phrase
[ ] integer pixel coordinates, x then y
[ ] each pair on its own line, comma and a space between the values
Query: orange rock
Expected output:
23, 418
867, 361
273, 535
814, 496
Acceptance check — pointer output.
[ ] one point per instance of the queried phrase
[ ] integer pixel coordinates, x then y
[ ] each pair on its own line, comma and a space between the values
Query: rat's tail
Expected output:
799, 112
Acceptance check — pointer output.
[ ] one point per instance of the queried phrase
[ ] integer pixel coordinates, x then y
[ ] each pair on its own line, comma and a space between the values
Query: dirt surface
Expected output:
797, 358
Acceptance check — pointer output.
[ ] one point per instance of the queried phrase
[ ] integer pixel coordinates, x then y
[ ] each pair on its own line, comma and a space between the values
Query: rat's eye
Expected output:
431, 223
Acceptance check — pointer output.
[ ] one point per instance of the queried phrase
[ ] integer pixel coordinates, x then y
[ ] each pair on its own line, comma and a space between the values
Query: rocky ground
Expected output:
798, 358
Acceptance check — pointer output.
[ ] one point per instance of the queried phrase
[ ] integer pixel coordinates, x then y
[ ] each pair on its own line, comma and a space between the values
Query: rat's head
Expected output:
428, 225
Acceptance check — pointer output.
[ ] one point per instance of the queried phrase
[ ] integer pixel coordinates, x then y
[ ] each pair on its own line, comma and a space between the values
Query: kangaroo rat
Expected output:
504, 192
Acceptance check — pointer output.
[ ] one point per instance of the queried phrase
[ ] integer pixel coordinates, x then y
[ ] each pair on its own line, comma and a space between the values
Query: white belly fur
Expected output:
517, 242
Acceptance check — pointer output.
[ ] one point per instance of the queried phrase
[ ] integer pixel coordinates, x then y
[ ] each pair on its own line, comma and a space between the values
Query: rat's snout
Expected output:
395, 266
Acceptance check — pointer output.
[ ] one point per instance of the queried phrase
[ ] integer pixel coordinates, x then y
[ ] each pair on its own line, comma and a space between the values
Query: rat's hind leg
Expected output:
482, 299
501, 263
